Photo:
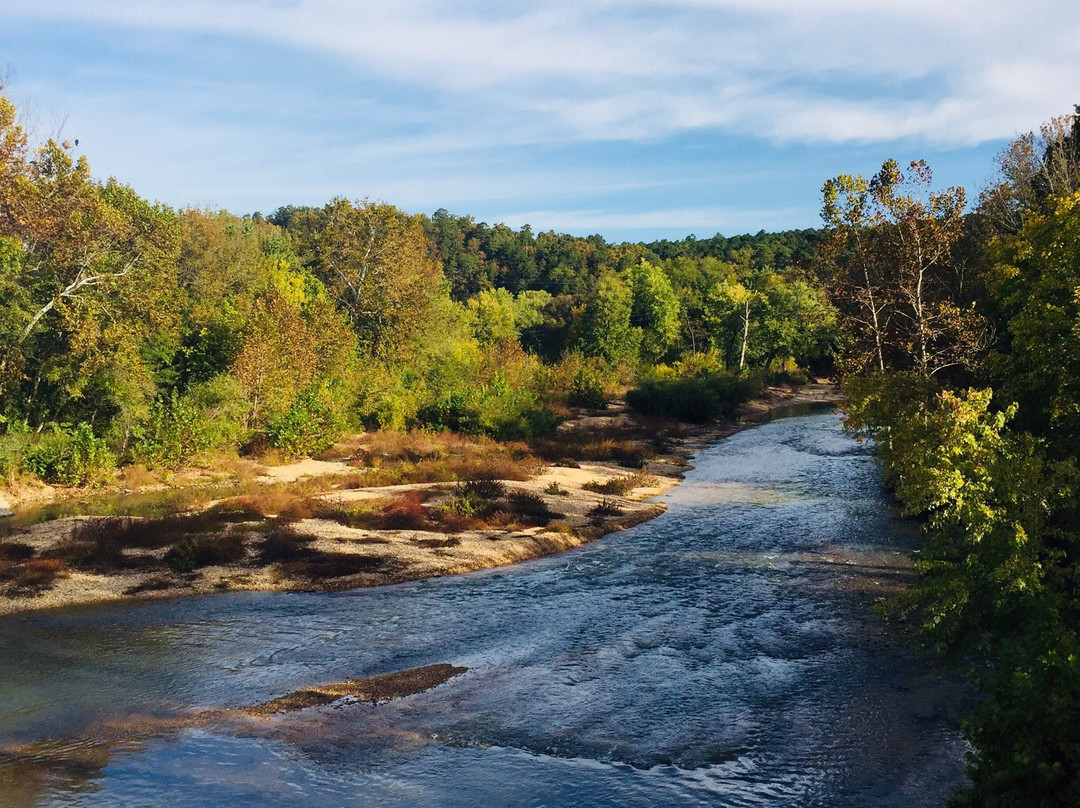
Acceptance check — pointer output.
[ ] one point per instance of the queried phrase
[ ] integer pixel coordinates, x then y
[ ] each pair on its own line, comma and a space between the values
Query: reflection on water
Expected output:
722, 654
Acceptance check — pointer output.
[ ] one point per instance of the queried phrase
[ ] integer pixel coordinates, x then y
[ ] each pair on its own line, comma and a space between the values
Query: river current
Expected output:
723, 654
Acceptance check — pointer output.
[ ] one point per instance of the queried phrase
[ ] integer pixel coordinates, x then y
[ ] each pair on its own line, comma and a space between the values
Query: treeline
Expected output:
132, 333
962, 349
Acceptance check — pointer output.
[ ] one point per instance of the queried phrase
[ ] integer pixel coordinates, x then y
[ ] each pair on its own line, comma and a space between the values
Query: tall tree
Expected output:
605, 328
654, 309
376, 263
888, 253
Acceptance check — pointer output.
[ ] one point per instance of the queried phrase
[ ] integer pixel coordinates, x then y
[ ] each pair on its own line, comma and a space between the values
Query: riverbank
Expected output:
316, 525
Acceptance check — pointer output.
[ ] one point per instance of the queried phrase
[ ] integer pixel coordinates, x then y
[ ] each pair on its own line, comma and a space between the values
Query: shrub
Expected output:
70, 457
697, 398
485, 488
465, 502
13, 448
309, 426
194, 552
532, 507
406, 513
172, 434
457, 411
587, 390
605, 508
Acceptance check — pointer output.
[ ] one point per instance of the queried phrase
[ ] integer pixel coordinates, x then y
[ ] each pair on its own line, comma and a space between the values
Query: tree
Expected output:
376, 263
654, 309
1034, 278
605, 328
889, 257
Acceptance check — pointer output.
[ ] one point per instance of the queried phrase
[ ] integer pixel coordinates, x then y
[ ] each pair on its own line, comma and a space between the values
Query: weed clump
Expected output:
532, 507
192, 553
605, 509
620, 486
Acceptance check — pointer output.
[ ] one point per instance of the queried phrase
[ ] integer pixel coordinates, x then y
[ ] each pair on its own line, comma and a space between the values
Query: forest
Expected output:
138, 334
133, 334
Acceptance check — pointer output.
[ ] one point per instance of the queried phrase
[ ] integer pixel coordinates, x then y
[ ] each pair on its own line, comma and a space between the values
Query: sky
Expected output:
636, 119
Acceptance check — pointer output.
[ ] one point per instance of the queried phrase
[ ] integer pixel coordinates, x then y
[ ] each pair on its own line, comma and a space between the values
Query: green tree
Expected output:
1034, 279
654, 309
376, 263
605, 328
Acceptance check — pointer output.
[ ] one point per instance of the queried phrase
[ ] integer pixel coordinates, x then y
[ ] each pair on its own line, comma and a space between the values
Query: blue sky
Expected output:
635, 119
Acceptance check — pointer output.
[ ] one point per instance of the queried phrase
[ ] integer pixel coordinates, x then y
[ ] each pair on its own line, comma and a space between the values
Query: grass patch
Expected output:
620, 486
605, 509
625, 444
30, 577
396, 458
204, 551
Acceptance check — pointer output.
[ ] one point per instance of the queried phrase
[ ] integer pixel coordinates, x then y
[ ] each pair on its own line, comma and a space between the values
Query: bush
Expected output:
457, 411
310, 426
465, 502
195, 552
587, 390
604, 509
70, 457
532, 507
697, 398
406, 513
172, 434
13, 447
485, 488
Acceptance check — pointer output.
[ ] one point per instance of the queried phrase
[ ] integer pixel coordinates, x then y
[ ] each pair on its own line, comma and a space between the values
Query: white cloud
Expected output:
828, 71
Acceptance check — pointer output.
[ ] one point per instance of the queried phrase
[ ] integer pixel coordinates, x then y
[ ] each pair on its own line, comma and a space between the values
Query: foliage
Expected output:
1035, 283
173, 433
892, 278
587, 390
990, 590
694, 397
654, 311
605, 330
73, 456
309, 426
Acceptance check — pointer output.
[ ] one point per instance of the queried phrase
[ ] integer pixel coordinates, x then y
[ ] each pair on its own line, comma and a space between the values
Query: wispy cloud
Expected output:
649, 68
590, 114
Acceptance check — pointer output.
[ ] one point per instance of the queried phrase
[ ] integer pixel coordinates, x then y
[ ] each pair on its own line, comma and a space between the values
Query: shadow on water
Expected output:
722, 654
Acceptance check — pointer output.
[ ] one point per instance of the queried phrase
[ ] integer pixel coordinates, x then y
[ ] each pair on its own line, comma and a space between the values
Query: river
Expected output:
722, 654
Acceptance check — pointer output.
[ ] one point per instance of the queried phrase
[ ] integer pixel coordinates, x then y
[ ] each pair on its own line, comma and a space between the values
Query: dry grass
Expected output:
606, 445
605, 509
620, 486
137, 476
30, 577
396, 458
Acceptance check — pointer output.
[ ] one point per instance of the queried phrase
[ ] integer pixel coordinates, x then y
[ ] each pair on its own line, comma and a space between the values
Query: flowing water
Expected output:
722, 654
